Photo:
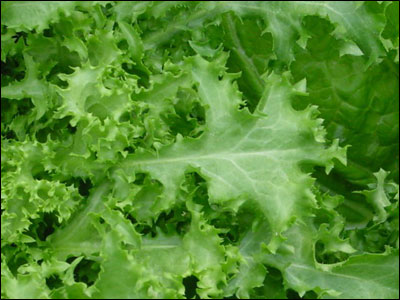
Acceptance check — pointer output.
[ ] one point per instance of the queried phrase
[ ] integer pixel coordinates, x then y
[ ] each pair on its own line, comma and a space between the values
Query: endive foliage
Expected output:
199, 150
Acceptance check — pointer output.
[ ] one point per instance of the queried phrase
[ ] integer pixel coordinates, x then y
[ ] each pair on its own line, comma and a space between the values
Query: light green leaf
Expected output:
27, 15
254, 148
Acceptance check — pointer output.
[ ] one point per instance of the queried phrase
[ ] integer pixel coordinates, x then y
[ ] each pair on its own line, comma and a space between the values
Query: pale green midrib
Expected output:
305, 267
247, 62
213, 156
155, 39
93, 247
144, 247
81, 217
79, 247
158, 38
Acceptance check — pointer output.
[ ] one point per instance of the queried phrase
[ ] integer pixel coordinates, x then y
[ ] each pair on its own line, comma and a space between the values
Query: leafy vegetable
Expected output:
199, 150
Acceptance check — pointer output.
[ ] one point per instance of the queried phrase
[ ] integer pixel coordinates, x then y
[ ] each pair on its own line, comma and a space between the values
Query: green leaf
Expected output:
25, 15
363, 113
365, 275
250, 150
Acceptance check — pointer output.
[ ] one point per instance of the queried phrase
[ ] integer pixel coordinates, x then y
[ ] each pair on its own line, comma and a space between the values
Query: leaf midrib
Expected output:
213, 156
360, 279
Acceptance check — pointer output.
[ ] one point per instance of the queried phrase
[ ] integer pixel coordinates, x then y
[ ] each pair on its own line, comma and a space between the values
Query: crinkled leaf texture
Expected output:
172, 150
